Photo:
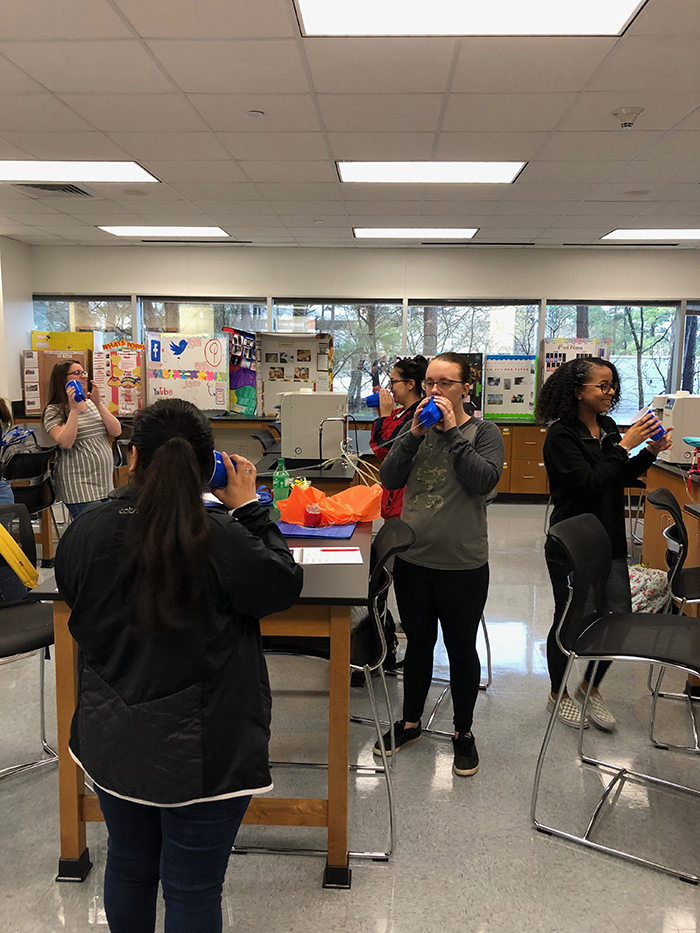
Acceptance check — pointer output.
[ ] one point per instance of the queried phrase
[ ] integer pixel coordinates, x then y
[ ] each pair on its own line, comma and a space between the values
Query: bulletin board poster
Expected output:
474, 401
510, 387
560, 350
189, 366
289, 362
65, 340
118, 374
242, 365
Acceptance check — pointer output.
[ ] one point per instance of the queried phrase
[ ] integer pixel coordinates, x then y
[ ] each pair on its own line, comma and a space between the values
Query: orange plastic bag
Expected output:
354, 504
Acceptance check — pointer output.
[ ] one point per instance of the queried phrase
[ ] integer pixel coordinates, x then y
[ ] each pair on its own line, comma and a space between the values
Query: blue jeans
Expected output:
11, 587
185, 848
75, 508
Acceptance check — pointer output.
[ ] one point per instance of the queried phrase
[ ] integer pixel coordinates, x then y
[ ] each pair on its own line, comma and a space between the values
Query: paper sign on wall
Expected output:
560, 350
118, 373
189, 366
510, 387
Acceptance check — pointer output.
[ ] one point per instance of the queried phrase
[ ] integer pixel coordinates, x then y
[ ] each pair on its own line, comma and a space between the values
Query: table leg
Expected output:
74, 863
45, 538
337, 873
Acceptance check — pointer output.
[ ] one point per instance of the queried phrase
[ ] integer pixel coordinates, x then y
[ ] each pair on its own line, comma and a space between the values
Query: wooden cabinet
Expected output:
528, 477
523, 469
528, 440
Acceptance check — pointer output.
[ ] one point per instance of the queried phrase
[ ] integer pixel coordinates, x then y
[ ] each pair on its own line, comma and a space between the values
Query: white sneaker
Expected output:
598, 712
569, 713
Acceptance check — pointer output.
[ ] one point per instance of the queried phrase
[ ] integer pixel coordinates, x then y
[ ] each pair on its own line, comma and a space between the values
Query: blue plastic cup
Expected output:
430, 415
219, 478
642, 413
372, 401
77, 385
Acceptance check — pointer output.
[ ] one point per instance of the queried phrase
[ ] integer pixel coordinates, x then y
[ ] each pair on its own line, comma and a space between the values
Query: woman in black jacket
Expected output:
173, 713
589, 465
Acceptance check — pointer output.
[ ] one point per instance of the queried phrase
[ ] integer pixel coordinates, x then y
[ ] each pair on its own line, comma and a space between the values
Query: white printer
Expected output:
301, 414
680, 411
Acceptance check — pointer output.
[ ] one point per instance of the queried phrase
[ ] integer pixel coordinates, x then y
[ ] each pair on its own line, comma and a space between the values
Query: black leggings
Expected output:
457, 598
616, 598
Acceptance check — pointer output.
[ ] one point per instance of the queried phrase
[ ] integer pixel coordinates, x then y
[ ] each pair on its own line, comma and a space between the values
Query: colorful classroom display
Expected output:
189, 366
289, 362
510, 387
118, 374
243, 395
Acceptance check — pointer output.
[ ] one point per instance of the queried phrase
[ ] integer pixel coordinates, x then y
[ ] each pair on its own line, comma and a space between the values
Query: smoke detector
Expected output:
627, 115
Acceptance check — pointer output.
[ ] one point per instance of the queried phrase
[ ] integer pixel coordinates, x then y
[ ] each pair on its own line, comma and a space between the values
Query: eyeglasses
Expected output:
605, 387
442, 384
78, 372
392, 382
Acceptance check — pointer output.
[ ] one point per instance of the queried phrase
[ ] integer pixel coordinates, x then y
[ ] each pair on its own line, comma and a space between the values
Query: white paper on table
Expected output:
327, 555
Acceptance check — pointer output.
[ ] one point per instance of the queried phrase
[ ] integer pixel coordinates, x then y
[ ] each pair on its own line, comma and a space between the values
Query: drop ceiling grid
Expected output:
115, 79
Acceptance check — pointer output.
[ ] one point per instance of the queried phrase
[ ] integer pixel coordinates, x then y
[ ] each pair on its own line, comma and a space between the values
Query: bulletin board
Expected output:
561, 350
65, 340
189, 366
118, 374
289, 362
37, 366
474, 402
510, 387
242, 366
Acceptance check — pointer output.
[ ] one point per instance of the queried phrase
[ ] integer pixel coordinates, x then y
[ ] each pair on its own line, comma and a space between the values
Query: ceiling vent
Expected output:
47, 191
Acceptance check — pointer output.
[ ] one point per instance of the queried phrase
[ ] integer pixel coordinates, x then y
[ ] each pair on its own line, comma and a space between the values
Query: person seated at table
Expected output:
84, 463
173, 712
448, 470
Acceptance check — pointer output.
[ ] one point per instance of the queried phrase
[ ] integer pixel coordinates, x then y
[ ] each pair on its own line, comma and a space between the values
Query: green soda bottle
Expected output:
280, 482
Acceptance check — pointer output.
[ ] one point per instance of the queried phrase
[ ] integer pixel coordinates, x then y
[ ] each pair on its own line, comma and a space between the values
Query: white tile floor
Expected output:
467, 858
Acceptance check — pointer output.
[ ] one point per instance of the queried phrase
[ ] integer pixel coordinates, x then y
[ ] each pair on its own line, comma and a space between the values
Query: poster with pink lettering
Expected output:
189, 366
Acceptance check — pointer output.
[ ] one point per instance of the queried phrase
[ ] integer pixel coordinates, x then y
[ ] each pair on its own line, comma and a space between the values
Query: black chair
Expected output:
684, 589
29, 476
585, 632
267, 439
367, 653
26, 626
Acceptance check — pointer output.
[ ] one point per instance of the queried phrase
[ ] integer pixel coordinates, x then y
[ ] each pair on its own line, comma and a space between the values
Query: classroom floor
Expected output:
467, 858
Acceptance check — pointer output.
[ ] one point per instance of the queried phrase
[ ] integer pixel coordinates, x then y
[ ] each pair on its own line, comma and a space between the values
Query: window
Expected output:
203, 315
642, 343
690, 373
109, 316
472, 327
366, 340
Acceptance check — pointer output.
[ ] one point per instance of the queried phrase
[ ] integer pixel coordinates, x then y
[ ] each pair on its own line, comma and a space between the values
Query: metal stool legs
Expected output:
46, 748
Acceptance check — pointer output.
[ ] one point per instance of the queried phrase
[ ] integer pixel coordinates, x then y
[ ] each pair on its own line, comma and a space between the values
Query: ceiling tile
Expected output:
692, 122
312, 207
187, 146
506, 112
604, 223
164, 209
67, 145
574, 234
14, 204
134, 113
393, 65
590, 171
14, 81
627, 208
381, 146
464, 192
664, 17
493, 64
81, 207
209, 19
506, 235
55, 220
675, 145
646, 192
674, 209
227, 209
253, 220
194, 172
227, 66
385, 113
283, 112
43, 113
140, 194
281, 171
217, 193
592, 110
497, 147
533, 208
384, 207
442, 208
309, 220
69, 19
644, 172
110, 67
10, 151
325, 231
271, 146
525, 220
555, 191
615, 144
285, 192
660, 63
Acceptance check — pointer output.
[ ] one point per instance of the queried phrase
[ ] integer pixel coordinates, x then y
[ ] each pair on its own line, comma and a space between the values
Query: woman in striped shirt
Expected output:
84, 464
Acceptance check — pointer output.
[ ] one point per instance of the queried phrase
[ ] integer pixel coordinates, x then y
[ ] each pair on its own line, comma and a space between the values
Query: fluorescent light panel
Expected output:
466, 17
636, 234
430, 173
414, 233
72, 172
166, 231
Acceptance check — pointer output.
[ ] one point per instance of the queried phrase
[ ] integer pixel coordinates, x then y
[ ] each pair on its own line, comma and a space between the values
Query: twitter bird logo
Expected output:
178, 348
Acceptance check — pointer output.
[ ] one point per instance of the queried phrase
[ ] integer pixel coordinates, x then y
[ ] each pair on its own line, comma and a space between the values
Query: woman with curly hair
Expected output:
589, 465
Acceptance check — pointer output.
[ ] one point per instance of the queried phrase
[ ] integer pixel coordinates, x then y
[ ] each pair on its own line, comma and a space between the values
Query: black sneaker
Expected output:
466, 756
402, 737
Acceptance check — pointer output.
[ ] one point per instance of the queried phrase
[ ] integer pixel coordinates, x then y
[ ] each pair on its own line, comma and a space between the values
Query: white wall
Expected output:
16, 313
219, 271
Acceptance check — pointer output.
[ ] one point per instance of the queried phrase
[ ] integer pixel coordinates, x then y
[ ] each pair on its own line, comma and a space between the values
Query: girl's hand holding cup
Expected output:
240, 487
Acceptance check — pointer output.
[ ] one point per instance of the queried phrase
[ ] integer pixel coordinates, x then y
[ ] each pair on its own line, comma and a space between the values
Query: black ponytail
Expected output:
165, 572
413, 368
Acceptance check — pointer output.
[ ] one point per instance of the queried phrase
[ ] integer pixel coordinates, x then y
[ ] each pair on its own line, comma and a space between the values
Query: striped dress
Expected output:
83, 472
